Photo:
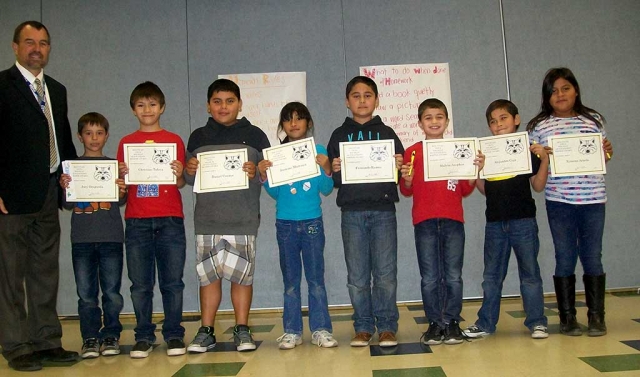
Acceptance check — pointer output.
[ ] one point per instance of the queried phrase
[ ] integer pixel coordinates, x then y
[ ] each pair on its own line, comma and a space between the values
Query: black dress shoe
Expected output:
25, 363
57, 355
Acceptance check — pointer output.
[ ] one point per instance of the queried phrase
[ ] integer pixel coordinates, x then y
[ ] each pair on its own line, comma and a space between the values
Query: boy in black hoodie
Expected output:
369, 227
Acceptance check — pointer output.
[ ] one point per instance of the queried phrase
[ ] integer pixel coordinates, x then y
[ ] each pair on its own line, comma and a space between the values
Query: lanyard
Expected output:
42, 101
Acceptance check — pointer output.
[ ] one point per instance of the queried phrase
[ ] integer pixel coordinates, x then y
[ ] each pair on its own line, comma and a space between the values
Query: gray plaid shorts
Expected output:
230, 257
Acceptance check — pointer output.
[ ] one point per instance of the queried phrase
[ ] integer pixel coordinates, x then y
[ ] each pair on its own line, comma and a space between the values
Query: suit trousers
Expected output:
29, 251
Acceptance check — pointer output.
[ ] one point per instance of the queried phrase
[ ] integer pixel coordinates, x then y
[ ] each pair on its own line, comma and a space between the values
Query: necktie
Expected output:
53, 155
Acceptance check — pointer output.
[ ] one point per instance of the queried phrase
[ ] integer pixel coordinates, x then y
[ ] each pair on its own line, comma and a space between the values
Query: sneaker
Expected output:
243, 339
452, 333
141, 350
110, 347
289, 341
387, 339
474, 331
361, 339
434, 335
540, 332
205, 340
175, 347
324, 339
90, 348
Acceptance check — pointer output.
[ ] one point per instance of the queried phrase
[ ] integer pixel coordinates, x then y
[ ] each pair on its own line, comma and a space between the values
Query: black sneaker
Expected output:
90, 348
433, 336
205, 340
474, 331
175, 347
141, 350
110, 347
452, 333
243, 339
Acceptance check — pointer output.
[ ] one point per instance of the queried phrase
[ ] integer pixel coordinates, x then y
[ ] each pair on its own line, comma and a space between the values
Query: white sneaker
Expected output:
289, 341
324, 339
540, 332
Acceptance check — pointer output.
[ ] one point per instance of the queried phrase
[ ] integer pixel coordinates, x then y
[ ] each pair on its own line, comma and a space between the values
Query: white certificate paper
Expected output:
577, 154
221, 171
293, 161
91, 180
150, 163
505, 155
368, 161
450, 159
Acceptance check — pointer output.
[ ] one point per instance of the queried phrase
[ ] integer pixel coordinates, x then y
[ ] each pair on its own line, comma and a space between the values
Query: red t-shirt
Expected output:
145, 201
434, 199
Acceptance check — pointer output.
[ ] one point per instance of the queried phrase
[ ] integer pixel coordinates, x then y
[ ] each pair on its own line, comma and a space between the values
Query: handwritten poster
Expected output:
264, 95
401, 89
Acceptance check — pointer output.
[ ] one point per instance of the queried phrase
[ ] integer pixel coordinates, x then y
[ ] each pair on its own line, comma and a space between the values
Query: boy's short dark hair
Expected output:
362, 80
432, 103
223, 85
34, 24
93, 118
503, 104
146, 90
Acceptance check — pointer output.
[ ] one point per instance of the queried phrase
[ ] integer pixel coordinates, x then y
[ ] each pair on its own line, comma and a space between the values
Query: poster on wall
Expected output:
264, 95
401, 89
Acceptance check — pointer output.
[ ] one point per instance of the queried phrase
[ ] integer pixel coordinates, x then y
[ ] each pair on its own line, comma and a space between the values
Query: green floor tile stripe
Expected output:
411, 372
211, 369
522, 314
254, 329
626, 294
341, 318
614, 363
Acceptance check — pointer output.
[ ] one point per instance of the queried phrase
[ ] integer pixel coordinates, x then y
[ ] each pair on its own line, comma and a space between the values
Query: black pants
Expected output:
29, 250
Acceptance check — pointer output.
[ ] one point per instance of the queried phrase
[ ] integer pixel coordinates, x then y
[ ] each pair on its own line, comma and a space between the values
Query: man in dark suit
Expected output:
35, 136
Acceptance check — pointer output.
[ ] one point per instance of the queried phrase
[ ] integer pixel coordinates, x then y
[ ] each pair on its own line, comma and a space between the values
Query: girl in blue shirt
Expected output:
300, 234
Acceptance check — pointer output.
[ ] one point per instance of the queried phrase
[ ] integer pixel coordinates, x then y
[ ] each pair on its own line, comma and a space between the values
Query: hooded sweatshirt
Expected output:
228, 212
364, 196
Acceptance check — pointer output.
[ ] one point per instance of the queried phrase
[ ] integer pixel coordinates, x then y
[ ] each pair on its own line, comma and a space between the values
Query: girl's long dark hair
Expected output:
287, 112
547, 90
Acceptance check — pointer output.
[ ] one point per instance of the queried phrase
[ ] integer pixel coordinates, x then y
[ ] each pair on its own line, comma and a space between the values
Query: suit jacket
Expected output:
24, 141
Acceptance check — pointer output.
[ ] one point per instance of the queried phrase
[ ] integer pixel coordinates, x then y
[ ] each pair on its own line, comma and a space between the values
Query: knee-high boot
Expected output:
594, 292
566, 297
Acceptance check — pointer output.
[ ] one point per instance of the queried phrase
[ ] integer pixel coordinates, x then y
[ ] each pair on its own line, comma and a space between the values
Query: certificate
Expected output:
149, 163
576, 154
293, 161
505, 155
91, 180
221, 171
450, 159
368, 161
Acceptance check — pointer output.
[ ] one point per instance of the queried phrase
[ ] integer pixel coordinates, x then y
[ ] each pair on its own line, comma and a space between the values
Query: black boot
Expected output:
594, 292
566, 297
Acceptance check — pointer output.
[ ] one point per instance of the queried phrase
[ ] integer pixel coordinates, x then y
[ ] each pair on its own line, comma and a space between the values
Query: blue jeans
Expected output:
161, 241
303, 241
371, 250
440, 248
499, 238
577, 232
98, 267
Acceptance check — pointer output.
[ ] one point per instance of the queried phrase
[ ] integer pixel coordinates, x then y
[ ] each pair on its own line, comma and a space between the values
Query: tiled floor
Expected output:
509, 352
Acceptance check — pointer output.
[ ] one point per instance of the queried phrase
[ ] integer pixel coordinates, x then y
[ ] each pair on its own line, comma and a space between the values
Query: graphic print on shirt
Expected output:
148, 191
452, 184
361, 135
